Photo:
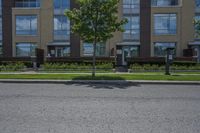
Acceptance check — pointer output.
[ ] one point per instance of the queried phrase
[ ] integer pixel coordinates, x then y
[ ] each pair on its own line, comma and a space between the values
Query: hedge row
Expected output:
28, 64
75, 66
150, 67
18, 66
179, 63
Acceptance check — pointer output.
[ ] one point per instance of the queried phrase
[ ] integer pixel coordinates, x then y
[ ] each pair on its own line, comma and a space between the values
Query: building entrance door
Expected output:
59, 52
125, 54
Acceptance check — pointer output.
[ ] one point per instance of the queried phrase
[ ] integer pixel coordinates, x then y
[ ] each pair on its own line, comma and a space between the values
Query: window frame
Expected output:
131, 28
31, 47
169, 24
61, 5
31, 30
197, 17
27, 4
197, 3
154, 3
99, 47
65, 33
131, 6
1, 48
169, 43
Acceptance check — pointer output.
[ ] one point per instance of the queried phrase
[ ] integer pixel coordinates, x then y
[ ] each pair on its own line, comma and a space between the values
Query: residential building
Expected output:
153, 26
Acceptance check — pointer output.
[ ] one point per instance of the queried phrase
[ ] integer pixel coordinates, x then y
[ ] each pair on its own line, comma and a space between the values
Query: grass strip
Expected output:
102, 77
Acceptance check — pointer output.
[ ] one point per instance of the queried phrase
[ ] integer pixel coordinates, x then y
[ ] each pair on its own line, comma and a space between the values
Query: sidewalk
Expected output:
123, 73
100, 82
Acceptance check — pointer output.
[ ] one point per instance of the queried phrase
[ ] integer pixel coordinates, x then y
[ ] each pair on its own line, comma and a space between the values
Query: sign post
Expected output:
169, 60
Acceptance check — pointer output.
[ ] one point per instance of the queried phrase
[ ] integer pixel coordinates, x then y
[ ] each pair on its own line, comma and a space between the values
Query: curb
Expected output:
120, 82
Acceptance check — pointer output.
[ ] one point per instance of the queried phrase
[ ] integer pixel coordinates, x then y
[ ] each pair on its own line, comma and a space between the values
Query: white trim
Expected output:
58, 44
129, 43
195, 43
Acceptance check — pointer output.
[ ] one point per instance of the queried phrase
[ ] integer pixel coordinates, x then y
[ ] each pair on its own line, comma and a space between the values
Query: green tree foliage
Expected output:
95, 21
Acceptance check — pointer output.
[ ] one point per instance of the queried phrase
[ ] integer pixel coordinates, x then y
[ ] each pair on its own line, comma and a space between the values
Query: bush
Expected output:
160, 63
76, 66
12, 67
153, 67
28, 64
185, 63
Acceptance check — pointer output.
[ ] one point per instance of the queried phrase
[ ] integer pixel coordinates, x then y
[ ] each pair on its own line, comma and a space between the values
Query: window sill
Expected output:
165, 34
27, 8
26, 35
178, 6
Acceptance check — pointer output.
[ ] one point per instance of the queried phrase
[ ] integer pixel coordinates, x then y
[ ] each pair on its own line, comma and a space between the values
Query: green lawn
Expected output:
103, 77
170, 72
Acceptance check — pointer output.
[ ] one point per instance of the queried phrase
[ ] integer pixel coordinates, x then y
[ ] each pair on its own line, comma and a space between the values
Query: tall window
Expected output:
61, 4
27, 3
26, 25
165, 24
1, 33
61, 27
88, 49
131, 6
132, 28
61, 22
66, 51
197, 17
160, 48
131, 51
25, 49
197, 3
0, 7
134, 51
1, 49
164, 2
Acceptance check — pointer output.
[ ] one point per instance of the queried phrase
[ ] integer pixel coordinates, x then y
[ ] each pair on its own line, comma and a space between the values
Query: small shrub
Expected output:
18, 66
75, 66
154, 67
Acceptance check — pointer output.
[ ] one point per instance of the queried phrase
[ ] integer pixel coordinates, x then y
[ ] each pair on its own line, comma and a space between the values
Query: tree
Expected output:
95, 22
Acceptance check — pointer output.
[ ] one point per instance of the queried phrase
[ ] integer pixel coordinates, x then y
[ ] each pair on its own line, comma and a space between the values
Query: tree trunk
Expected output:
94, 45
94, 59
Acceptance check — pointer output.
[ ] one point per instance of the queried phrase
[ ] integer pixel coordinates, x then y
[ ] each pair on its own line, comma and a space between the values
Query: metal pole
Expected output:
167, 66
198, 54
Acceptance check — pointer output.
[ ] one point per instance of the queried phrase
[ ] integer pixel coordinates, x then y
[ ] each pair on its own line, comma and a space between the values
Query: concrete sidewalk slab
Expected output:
125, 73
100, 82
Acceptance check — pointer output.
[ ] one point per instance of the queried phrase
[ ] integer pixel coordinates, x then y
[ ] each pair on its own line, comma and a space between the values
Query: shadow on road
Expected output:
103, 82
98, 77
124, 85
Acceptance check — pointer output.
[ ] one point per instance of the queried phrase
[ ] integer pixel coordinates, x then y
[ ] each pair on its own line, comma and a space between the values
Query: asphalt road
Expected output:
79, 108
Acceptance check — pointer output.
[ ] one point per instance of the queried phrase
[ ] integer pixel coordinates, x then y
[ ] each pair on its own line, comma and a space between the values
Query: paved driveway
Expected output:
79, 108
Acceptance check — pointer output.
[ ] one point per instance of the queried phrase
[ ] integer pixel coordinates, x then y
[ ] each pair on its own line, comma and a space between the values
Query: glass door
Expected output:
59, 52
125, 54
